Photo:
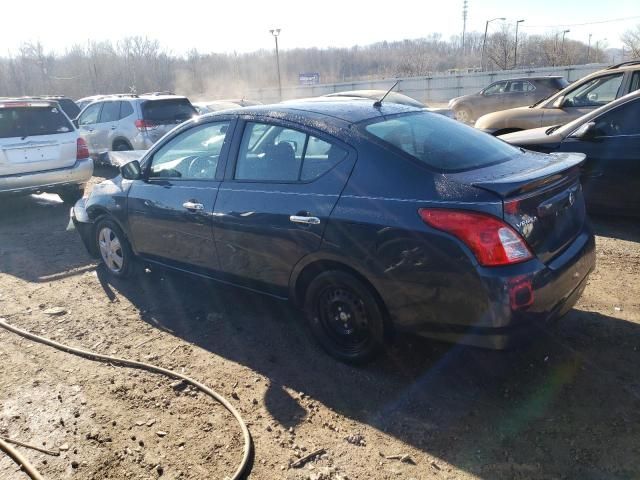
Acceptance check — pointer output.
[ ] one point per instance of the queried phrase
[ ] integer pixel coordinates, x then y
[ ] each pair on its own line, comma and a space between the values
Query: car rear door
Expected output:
35, 137
519, 93
611, 174
87, 123
276, 200
170, 209
106, 126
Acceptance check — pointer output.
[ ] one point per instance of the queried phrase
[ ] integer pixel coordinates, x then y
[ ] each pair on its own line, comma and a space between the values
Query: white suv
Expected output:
41, 151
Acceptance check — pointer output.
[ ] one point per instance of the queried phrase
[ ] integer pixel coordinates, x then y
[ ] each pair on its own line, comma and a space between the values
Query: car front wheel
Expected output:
345, 316
114, 248
70, 195
463, 114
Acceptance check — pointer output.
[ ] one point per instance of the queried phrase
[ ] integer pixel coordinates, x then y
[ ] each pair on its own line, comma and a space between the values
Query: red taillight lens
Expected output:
491, 240
144, 125
82, 151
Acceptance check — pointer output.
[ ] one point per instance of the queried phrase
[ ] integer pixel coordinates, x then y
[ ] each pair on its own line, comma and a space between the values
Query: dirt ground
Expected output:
565, 407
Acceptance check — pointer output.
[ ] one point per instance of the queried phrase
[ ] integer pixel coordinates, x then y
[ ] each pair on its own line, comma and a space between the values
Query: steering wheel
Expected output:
201, 167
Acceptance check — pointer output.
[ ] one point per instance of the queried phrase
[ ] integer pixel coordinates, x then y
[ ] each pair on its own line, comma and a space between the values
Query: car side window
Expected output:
125, 110
498, 87
619, 121
284, 154
596, 92
520, 86
90, 115
110, 112
192, 155
635, 82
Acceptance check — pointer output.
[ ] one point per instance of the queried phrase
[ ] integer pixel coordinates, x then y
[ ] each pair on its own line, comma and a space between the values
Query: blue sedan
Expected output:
371, 217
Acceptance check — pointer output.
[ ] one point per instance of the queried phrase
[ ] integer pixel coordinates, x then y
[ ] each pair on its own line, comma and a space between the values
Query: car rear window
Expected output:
168, 111
554, 83
439, 142
32, 121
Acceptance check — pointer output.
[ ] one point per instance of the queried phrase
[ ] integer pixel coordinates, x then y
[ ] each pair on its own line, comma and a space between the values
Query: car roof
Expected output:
28, 102
347, 110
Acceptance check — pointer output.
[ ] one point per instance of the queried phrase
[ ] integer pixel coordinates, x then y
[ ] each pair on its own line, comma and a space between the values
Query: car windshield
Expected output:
32, 121
168, 111
440, 142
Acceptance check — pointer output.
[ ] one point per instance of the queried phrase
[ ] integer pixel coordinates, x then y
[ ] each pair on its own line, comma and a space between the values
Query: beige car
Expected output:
579, 98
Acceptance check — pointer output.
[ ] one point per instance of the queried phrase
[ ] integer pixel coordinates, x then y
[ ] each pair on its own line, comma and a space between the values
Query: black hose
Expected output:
132, 364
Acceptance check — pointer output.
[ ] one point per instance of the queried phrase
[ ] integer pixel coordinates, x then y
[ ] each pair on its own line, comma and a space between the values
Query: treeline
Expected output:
138, 64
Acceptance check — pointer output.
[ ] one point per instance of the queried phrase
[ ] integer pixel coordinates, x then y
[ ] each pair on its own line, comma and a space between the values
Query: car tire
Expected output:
70, 195
121, 146
113, 248
463, 114
345, 317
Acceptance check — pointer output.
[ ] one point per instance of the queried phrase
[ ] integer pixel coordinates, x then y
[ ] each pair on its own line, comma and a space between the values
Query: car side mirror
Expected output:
587, 131
559, 102
131, 170
75, 123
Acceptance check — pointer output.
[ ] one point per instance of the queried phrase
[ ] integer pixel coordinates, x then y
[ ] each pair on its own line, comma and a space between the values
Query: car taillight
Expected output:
491, 240
82, 151
144, 125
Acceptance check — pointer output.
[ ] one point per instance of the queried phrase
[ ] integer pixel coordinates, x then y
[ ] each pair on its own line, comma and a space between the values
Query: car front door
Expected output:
170, 209
611, 175
493, 99
87, 122
107, 124
276, 200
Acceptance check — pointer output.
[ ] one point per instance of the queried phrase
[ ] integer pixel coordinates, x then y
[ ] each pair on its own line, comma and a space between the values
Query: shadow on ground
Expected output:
566, 406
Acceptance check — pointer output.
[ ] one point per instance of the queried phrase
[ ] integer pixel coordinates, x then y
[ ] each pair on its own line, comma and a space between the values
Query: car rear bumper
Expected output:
77, 174
508, 304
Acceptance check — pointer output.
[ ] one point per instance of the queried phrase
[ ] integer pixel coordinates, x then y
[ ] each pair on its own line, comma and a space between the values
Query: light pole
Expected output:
564, 57
515, 53
484, 43
589, 47
276, 33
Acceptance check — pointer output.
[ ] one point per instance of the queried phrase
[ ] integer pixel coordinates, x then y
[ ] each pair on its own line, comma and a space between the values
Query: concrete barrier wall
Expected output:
435, 89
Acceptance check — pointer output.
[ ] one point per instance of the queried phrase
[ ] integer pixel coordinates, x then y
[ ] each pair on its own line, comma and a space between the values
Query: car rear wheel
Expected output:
344, 316
121, 146
463, 114
114, 248
70, 195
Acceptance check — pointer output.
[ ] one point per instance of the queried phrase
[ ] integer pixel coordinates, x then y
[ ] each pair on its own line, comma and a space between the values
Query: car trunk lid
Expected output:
35, 137
162, 115
542, 197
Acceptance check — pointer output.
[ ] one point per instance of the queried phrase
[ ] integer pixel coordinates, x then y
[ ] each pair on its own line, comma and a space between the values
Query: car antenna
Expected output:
378, 103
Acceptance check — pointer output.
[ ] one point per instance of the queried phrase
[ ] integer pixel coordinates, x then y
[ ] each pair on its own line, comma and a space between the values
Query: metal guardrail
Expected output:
436, 88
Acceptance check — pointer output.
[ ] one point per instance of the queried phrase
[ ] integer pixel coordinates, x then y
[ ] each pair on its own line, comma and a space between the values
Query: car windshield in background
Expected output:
32, 121
168, 111
441, 143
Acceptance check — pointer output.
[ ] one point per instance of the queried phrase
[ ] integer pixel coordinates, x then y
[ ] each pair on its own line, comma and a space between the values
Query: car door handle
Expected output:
193, 206
304, 220
113, 127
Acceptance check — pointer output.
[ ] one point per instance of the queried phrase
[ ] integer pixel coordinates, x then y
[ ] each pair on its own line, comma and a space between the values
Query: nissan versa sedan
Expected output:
610, 138
371, 217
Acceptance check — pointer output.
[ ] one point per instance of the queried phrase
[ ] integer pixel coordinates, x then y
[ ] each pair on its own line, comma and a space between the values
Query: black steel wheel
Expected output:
345, 316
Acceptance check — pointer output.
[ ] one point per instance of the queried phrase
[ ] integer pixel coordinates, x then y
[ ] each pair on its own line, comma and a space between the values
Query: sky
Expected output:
243, 25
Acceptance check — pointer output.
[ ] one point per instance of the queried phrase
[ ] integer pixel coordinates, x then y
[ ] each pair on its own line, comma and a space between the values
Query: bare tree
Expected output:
631, 40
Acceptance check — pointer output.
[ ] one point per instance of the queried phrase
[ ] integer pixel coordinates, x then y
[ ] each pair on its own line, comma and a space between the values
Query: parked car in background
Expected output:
83, 102
130, 122
40, 150
392, 97
217, 105
67, 105
371, 218
504, 94
579, 98
610, 138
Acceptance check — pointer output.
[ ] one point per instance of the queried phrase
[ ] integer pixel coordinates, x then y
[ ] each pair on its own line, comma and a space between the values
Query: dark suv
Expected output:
370, 217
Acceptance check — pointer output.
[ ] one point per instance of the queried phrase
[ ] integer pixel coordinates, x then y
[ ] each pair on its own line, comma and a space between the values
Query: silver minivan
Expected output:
130, 122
